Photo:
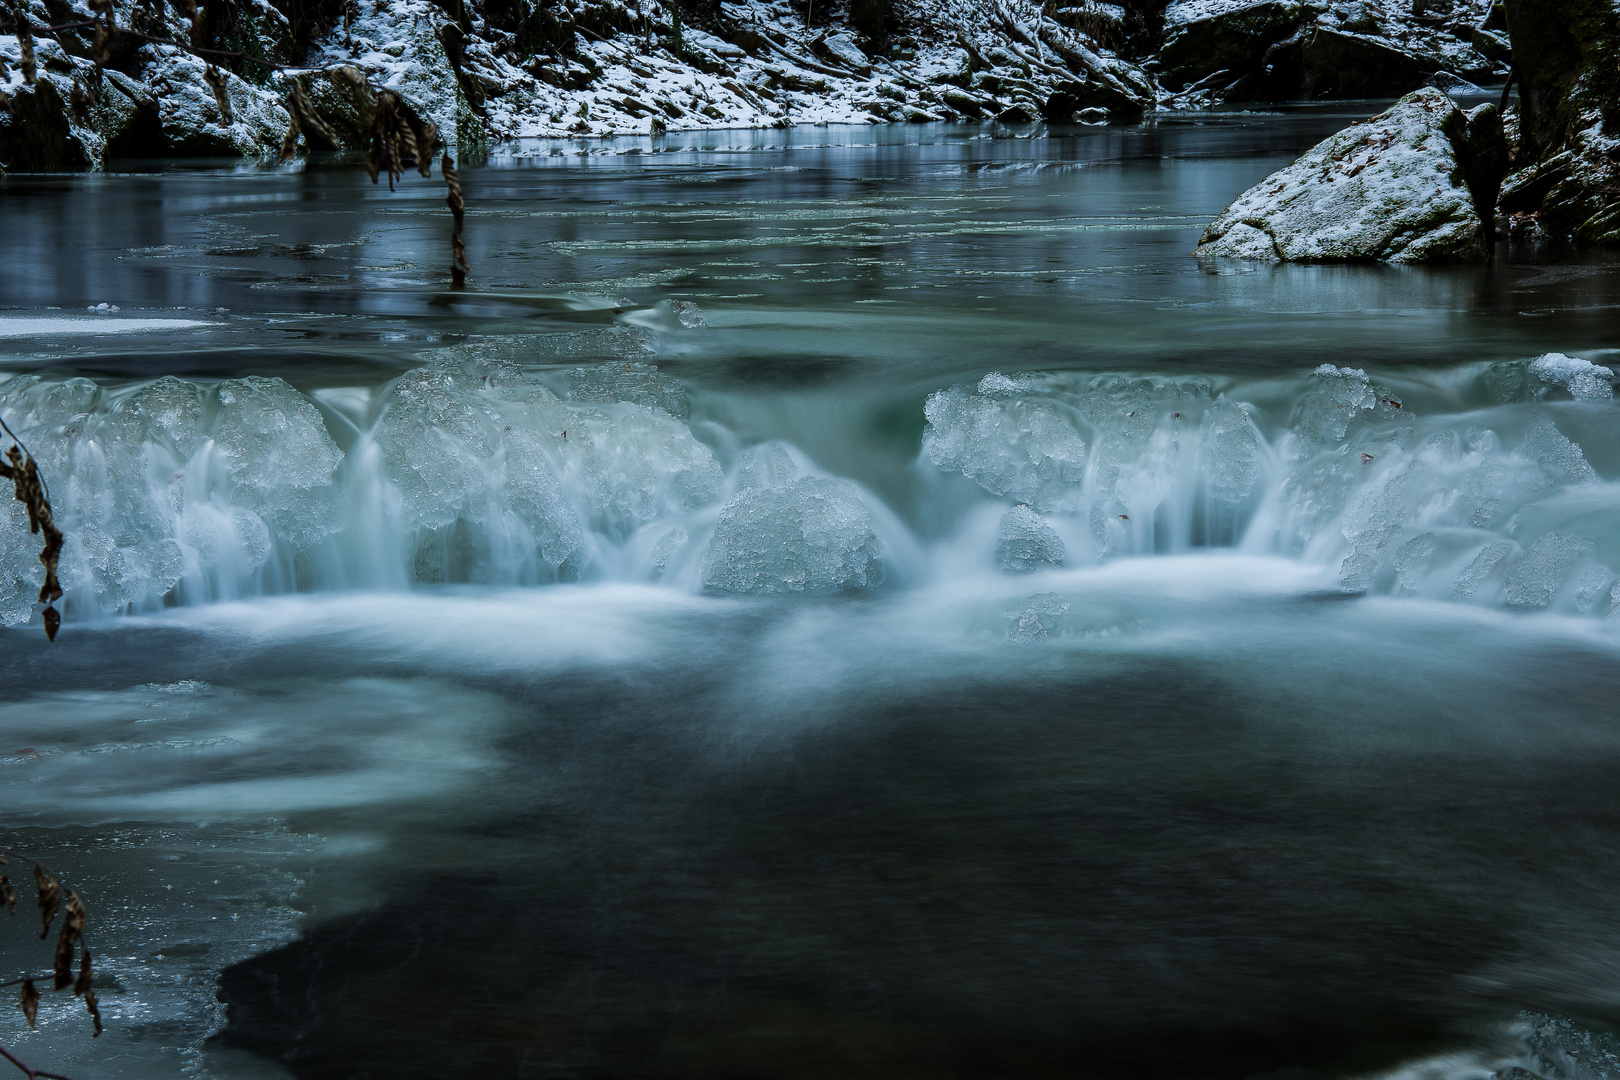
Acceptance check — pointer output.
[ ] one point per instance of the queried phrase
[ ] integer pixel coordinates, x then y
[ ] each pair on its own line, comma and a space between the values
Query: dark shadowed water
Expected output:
1301, 764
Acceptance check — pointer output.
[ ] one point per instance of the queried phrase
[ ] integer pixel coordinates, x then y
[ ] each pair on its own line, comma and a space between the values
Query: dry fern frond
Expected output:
79, 101
30, 1001
50, 897
67, 943
8, 895
303, 116
458, 210
220, 85
29, 490
25, 42
105, 29
85, 988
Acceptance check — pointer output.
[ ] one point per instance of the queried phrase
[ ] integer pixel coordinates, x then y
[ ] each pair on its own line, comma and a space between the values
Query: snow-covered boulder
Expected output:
1203, 37
191, 121
1391, 189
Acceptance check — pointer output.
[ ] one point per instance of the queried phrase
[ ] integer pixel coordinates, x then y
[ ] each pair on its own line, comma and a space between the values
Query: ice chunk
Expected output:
279, 457
1229, 452
1010, 442
1412, 561
1544, 569
809, 535
639, 383
766, 465
1038, 618
167, 411
1027, 542
1340, 396
1592, 588
435, 444
641, 463
1472, 575
688, 314
1584, 380
1545, 444
1357, 571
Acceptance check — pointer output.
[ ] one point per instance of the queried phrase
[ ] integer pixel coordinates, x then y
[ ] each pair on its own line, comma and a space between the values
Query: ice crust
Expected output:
1026, 542
480, 469
1584, 380
807, 535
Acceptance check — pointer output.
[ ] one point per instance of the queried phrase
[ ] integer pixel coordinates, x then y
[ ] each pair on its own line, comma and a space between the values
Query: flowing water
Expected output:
833, 602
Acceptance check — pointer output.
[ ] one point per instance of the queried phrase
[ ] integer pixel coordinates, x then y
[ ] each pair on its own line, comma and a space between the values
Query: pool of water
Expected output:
829, 602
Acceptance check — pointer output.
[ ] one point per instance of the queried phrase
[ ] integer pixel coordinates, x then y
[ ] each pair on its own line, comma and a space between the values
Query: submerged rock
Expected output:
1391, 189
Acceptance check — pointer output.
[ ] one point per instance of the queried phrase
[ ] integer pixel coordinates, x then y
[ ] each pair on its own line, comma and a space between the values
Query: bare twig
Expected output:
458, 209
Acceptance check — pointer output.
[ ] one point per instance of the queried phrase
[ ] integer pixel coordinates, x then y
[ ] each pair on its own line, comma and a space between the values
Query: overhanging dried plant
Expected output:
52, 896
25, 42
220, 85
29, 489
458, 210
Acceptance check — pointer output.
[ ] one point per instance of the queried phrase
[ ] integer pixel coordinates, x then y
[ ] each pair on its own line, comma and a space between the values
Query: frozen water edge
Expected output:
78, 326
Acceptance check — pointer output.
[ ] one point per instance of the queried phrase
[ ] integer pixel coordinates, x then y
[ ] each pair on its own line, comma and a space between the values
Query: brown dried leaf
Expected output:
87, 977
66, 944
91, 1004
85, 988
50, 897
53, 622
30, 1001
8, 895
79, 101
220, 85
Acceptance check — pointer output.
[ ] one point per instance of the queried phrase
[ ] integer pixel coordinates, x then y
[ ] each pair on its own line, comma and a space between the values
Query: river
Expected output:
830, 602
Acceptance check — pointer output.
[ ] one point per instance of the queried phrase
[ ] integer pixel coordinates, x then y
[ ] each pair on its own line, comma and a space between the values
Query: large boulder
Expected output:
1392, 189
1202, 38
191, 122
1569, 118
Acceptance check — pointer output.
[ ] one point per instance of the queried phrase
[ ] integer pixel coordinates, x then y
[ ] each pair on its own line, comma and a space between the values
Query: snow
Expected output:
1389, 189
1584, 380
73, 326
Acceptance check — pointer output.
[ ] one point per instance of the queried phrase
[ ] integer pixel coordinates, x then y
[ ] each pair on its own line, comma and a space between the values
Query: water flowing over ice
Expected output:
1038, 618
1026, 542
1012, 443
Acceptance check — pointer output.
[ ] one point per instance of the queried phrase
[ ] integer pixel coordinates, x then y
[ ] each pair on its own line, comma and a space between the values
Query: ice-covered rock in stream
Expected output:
278, 456
1391, 189
1012, 442
809, 535
1550, 448
1229, 452
1037, 618
164, 483
1544, 569
498, 450
1339, 398
1592, 590
1584, 380
640, 383
1025, 542
1413, 560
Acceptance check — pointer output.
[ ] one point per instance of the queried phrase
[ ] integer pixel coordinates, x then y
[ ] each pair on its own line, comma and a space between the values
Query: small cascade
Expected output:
1484, 484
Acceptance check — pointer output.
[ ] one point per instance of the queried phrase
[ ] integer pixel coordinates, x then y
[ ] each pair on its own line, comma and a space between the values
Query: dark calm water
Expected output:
462, 696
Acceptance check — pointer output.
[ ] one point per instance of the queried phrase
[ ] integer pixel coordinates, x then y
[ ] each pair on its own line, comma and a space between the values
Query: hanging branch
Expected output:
458, 210
25, 42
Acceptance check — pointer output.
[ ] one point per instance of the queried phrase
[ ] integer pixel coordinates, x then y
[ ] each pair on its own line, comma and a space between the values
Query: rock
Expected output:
1324, 62
1569, 141
1392, 189
1202, 38
189, 117
36, 134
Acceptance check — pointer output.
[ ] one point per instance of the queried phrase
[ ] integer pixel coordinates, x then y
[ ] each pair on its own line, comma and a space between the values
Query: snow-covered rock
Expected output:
1390, 189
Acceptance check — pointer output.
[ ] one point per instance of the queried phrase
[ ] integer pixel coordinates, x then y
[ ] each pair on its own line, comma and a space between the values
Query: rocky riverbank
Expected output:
488, 70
